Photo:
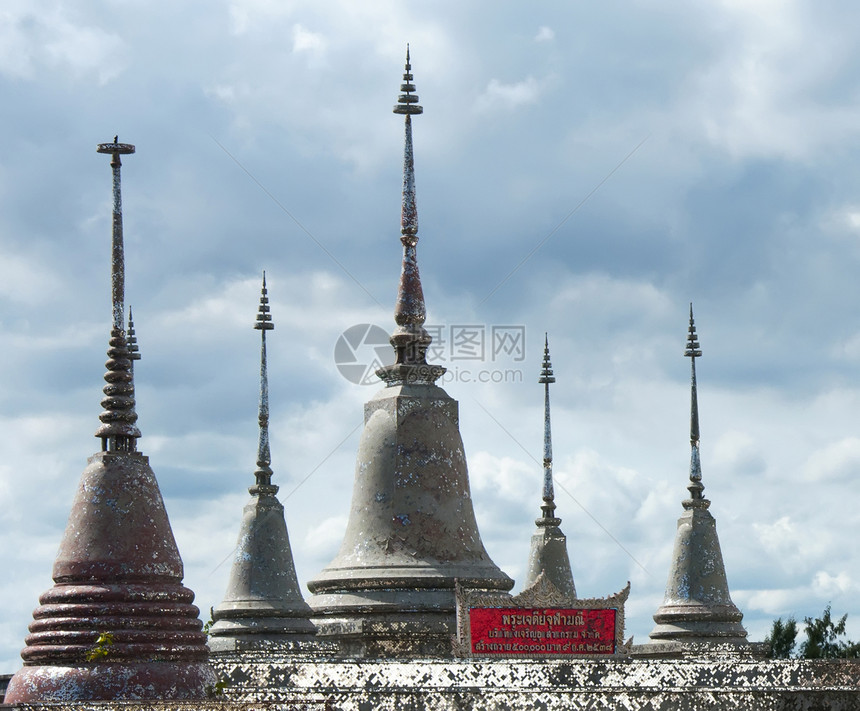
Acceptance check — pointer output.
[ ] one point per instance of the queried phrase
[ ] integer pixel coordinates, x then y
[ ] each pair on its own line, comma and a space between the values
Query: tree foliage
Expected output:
782, 638
824, 638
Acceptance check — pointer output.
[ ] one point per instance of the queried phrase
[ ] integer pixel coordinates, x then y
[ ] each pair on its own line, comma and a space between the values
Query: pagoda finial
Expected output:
118, 431
548, 507
131, 339
264, 457
410, 339
696, 487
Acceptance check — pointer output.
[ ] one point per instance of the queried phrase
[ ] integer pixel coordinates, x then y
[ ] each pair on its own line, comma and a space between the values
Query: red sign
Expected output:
541, 631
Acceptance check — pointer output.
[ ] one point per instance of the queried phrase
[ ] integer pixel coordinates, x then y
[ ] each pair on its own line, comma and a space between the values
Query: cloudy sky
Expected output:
583, 169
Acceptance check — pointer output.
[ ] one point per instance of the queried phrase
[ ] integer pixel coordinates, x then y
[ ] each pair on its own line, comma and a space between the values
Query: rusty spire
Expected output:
546, 377
118, 431
410, 339
264, 457
692, 352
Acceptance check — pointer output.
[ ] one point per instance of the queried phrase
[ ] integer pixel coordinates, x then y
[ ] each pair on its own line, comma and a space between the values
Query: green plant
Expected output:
101, 650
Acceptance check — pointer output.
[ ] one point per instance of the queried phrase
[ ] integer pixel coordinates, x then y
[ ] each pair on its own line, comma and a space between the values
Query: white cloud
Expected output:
498, 95
757, 99
739, 451
837, 461
545, 34
34, 39
827, 586
304, 40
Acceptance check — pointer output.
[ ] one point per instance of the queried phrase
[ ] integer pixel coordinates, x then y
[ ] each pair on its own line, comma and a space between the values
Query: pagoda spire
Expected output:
118, 625
410, 339
264, 456
692, 352
263, 604
546, 377
697, 607
548, 554
118, 430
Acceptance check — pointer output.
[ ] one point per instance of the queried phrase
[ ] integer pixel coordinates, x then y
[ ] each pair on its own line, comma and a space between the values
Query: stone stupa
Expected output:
263, 607
548, 555
697, 607
118, 625
411, 534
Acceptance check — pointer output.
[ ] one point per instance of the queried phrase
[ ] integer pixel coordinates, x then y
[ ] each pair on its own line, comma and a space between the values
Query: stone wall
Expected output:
297, 682
545, 685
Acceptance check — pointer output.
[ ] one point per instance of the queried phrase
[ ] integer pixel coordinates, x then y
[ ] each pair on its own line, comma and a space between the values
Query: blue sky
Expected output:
641, 155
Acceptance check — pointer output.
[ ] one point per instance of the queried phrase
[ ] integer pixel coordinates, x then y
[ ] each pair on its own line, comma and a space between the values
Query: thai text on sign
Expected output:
542, 631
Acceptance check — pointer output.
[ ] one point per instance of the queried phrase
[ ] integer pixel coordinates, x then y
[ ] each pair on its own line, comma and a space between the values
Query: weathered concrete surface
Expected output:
263, 601
685, 684
697, 605
411, 532
715, 682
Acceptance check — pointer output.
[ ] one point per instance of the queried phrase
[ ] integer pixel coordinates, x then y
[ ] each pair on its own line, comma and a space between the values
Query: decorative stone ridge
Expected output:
297, 682
703, 683
118, 623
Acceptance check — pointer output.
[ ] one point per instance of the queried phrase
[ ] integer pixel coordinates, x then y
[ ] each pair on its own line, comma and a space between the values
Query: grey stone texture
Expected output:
263, 602
697, 606
411, 532
548, 556
713, 682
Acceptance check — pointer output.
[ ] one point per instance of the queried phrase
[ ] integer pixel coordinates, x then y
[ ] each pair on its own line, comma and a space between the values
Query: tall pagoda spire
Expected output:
263, 604
264, 456
697, 607
118, 625
412, 534
118, 430
548, 554
546, 377
692, 352
410, 339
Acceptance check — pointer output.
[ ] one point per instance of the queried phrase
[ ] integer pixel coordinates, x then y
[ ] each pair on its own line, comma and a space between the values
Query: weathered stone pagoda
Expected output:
548, 553
263, 606
118, 623
697, 607
412, 531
